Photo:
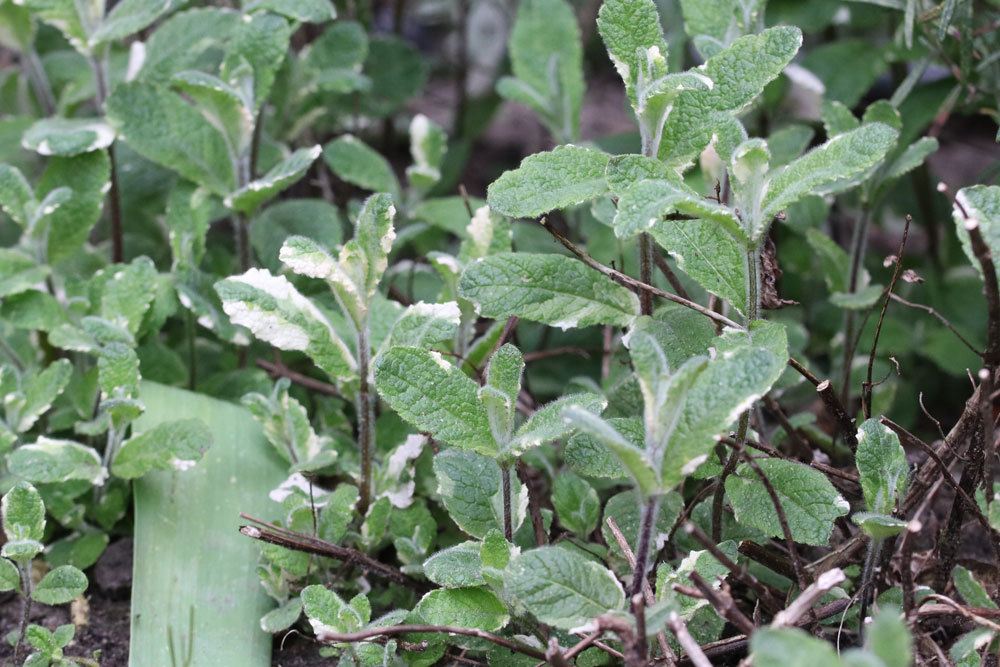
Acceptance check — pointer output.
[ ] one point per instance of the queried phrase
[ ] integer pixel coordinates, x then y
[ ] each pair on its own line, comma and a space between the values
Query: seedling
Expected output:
24, 526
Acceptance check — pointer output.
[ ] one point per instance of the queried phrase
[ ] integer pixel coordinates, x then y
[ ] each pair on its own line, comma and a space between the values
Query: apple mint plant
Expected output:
628, 332
24, 526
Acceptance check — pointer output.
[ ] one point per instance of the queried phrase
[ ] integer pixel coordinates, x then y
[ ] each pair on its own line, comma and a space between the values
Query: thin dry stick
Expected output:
724, 649
974, 614
939, 317
669, 274
272, 534
793, 552
647, 590
991, 287
728, 469
631, 283
836, 409
370, 633
580, 646
687, 642
534, 505
767, 557
866, 387
906, 567
803, 604
946, 475
686, 512
793, 435
638, 286
765, 596
280, 370
723, 603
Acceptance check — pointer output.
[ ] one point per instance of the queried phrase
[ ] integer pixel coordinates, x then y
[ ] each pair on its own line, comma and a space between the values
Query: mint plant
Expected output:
24, 526
495, 346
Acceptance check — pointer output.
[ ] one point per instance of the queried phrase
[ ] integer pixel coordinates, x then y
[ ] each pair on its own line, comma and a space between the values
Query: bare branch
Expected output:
808, 597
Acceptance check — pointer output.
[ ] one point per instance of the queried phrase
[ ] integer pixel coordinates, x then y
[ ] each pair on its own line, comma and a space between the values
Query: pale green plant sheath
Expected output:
188, 551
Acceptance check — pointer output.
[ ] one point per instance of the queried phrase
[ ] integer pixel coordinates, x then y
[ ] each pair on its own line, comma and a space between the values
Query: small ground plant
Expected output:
717, 388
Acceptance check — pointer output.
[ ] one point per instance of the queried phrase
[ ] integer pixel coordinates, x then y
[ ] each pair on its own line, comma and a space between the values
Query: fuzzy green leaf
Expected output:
127, 295
588, 456
312, 218
176, 445
553, 289
879, 526
981, 203
129, 17
428, 143
248, 198
87, 176
845, 158
180, 42
40, 390
726, 387
576, 503
282, 617
561, 587
163, 128
563, 177
739, 73
277, 313
911, 158
355, 162
455, 567
634, 459
435, 397
888, 638
286, 425
23, 522
464, 607
61, 585
327, 612
307, 11
470, 489
49, 461
500, 392
547, 60
631, 32
645, 204
971, 590
810, 502
16, 196
780, 647
67, 136
221, 102
262, 43
882, 466
547, 423
707, 253
10, 578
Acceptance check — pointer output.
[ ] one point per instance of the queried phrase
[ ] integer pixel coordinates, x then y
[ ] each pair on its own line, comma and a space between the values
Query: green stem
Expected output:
859, 244
99, 64
867, 579
645, 273
508, 521
366, 418
35, 73
753, 285
25, 571
649, 513
752, 267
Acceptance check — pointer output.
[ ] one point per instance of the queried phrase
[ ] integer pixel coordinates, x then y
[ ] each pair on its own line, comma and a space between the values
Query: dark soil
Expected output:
102, 631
